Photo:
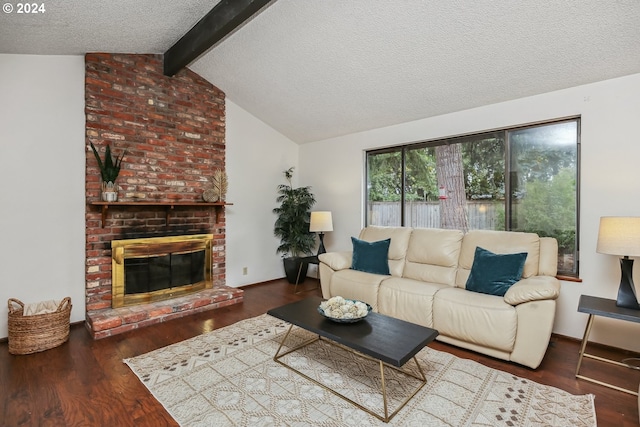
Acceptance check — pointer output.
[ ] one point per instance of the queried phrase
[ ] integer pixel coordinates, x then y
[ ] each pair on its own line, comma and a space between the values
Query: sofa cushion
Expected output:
371, 257
353, 284
494, 274
408, 299
432, 255
397, 249
481, 319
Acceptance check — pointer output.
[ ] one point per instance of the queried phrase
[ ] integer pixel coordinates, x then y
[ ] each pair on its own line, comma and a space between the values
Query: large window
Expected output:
520, 179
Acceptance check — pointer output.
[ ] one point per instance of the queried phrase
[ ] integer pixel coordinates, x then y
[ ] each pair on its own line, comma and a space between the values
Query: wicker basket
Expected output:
31, 334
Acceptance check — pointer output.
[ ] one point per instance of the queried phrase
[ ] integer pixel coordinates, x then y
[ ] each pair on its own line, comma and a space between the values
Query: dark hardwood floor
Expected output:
84, 382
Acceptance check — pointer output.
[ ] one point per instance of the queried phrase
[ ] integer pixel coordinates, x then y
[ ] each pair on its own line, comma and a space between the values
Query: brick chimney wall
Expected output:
172, 130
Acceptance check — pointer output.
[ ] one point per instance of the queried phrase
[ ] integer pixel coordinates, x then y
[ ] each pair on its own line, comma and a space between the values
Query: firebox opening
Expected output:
162, 272
159, 268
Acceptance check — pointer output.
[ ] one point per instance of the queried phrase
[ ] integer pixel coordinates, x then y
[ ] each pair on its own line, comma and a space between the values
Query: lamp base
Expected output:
627, 291
321, 249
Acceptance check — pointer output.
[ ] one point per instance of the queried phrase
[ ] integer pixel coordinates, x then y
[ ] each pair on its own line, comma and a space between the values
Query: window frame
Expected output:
508, 202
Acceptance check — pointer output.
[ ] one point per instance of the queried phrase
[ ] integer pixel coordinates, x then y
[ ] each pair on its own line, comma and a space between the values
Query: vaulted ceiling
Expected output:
318, 69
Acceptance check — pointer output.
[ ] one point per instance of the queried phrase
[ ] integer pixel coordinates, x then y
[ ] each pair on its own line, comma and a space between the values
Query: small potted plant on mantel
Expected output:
292, 226
109, 171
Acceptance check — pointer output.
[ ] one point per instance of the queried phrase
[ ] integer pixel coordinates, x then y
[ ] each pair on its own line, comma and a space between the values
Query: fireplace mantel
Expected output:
168, 206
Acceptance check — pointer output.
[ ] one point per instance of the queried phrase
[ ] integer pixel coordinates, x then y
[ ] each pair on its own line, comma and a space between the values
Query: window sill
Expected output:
568, 278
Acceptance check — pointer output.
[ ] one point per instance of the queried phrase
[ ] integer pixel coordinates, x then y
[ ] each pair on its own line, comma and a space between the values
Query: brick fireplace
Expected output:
173, 131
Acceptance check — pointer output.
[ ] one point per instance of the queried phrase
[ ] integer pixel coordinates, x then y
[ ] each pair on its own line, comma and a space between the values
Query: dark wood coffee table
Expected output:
390, 341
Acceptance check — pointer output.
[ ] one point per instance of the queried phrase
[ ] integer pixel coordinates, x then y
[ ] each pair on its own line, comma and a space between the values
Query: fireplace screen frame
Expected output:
153, 247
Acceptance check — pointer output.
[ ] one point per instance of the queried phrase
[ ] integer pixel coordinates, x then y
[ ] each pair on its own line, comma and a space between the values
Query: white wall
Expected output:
42, 181
256, 156
610, 182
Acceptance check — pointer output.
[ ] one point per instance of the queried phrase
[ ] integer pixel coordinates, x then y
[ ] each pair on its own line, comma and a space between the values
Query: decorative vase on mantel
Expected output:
109, 191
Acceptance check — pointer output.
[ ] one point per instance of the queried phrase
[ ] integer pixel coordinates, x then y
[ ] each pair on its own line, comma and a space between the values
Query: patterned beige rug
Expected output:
228, 378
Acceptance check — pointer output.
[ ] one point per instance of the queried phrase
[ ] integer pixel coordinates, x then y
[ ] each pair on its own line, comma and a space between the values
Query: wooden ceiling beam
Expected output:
225, 17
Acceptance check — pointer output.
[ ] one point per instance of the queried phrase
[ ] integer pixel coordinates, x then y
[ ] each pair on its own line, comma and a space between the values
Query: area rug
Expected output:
228, 378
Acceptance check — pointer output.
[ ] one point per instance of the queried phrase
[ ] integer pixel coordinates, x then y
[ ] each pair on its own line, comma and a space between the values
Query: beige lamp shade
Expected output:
321, 221
619, 236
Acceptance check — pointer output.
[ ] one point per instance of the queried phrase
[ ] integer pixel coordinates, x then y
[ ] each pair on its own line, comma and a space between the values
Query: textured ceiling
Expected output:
318, 69
74, 27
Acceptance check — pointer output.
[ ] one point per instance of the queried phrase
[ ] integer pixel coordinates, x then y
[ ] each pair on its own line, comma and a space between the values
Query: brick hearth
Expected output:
172, 130
104, 323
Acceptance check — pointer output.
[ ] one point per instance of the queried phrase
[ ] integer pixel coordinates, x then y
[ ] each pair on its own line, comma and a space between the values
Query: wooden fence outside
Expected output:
481, 215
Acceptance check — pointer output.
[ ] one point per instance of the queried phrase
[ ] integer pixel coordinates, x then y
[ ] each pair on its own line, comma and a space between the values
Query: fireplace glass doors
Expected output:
158, 268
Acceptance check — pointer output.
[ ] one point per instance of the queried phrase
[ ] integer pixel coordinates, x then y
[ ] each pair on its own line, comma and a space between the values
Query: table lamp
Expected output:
621, 236
320, 222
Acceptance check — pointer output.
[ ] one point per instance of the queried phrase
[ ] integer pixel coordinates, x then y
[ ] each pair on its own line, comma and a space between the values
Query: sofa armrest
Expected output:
336, 260
532, 289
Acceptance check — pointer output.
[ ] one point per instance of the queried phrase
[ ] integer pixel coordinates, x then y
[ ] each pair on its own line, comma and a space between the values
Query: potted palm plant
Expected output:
292, 226
109, 171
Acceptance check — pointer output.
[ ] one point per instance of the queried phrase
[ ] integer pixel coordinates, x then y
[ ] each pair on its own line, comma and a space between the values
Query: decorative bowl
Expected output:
210, 195
346, 320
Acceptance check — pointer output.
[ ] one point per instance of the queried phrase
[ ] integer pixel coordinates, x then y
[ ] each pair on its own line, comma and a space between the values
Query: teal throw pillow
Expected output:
371, 257
494, 274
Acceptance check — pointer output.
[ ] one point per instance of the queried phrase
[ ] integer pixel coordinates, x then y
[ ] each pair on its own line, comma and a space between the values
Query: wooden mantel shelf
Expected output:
169, 206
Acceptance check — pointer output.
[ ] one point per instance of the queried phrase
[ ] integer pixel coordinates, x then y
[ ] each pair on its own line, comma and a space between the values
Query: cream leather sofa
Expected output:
426, 285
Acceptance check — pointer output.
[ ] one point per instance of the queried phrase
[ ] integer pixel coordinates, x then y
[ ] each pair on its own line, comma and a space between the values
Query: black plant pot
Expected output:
292, 267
